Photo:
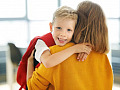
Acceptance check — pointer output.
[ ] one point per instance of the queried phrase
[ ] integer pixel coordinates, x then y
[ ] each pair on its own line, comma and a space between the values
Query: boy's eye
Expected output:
69, 30
58, 27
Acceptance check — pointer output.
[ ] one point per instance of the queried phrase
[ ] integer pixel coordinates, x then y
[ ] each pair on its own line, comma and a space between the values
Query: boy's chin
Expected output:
62, 44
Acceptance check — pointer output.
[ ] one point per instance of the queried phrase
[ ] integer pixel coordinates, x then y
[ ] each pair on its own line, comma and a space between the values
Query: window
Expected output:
41, 9
21, 20
36, 15
113, 30
38, 28
13, 31
12, 8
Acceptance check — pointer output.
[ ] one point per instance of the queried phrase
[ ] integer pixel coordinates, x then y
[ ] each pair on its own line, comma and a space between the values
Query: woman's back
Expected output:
94, 73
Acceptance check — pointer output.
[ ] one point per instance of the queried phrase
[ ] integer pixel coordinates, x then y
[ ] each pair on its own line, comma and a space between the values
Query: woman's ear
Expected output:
50, 24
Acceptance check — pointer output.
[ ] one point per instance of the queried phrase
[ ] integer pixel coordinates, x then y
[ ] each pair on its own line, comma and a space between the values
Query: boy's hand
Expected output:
82, 56
84, 50
31, 57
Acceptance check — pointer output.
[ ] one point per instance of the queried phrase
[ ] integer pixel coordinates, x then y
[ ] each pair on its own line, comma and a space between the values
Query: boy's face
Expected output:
62, 30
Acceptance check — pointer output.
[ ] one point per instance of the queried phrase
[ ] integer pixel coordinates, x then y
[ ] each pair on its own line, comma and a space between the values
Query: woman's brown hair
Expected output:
91, 27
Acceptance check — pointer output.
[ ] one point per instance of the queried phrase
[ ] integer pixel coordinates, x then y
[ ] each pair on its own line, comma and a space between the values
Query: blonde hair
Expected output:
91, 27
65, 12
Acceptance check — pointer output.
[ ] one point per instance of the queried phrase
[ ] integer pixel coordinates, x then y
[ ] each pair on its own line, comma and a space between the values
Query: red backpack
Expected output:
22, 69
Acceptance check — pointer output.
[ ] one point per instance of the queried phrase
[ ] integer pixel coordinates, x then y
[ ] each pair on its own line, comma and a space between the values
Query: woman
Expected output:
95, 73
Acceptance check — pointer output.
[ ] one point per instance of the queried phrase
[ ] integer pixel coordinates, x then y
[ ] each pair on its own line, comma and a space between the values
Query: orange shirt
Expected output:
95, 73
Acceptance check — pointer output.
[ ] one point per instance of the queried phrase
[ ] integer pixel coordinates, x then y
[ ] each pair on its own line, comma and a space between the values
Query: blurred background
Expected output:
22, 20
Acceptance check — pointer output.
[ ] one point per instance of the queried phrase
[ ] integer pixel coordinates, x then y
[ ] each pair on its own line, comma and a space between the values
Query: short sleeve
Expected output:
40, 48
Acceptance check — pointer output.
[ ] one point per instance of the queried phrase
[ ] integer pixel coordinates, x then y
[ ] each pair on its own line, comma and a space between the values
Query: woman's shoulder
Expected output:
97, 53
98, 56
57, 48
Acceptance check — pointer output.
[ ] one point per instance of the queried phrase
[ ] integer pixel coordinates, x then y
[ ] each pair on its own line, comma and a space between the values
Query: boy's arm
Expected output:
30, 66
35, 81
51, 60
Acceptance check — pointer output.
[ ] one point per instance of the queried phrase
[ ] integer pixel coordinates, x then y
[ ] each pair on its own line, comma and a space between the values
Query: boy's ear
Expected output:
50, 24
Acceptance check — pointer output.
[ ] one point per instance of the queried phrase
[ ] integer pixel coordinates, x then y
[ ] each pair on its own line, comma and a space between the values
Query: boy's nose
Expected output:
63, 34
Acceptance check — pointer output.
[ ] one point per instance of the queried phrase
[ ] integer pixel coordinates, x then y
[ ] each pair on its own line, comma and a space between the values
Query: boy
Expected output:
62, 28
